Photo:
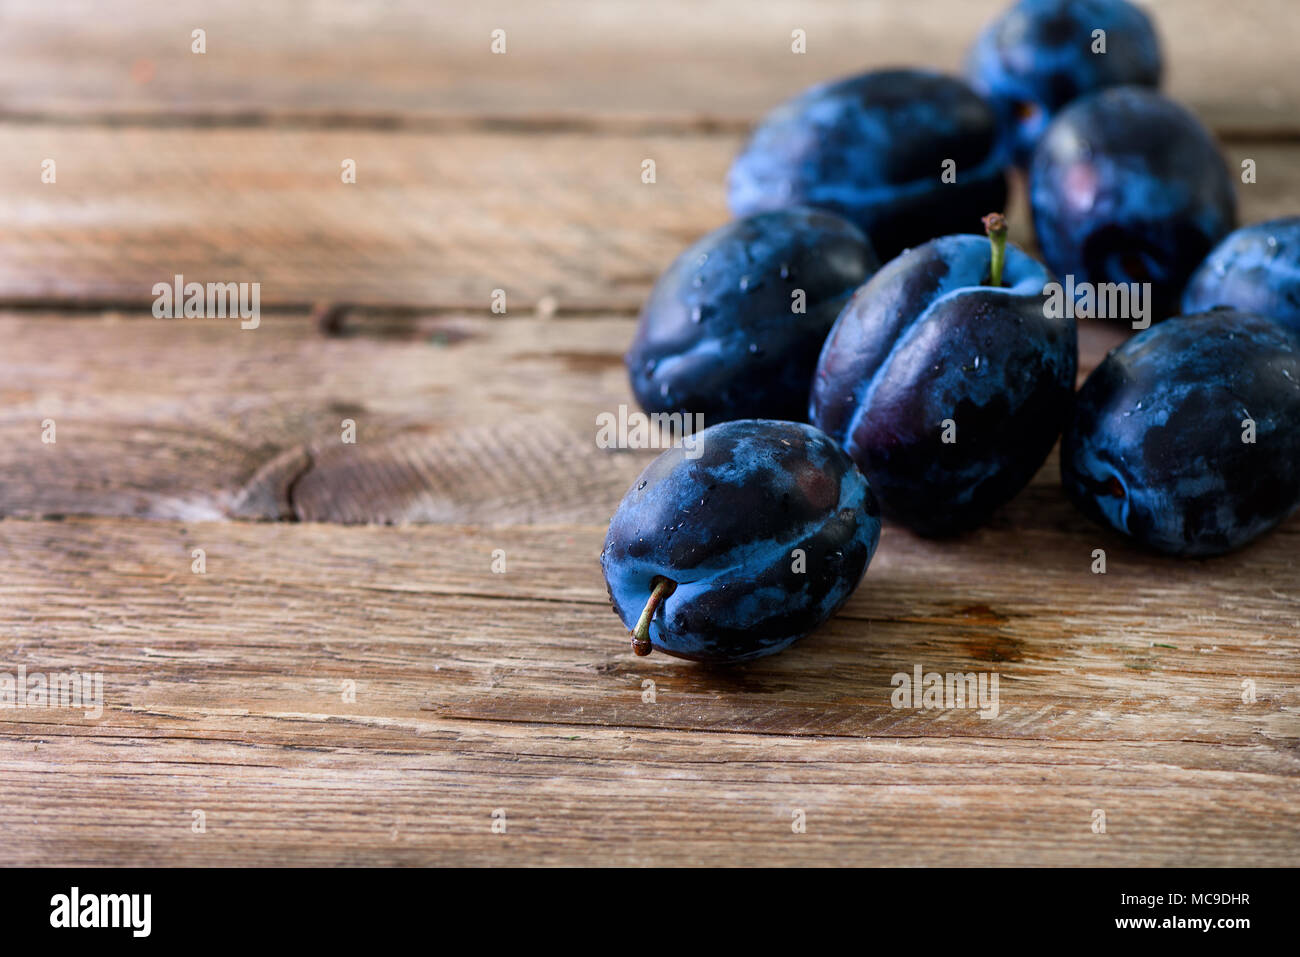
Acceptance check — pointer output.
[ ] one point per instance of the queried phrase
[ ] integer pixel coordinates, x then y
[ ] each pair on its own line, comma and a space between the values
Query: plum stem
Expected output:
663, 587
995, 224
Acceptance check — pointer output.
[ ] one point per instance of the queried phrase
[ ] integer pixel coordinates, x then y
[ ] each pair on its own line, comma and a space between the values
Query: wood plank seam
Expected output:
610, 124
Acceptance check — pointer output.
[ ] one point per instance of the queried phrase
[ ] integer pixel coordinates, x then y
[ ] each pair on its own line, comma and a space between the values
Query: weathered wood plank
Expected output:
478, 690
413, 792
470, 420
223, 692
434, 220
1155, 650
457, 419
580, 60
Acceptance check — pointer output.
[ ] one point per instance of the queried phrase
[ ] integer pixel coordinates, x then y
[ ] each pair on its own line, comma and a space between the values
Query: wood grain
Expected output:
457, 418
477, 691
1165, 694
433, 221
1081, 656
585, 61
348, 791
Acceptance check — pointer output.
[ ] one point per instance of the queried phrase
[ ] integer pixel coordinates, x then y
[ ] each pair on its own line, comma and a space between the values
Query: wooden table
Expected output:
345, 679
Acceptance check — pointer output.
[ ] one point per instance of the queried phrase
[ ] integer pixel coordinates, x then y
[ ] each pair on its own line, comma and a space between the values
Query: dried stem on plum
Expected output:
995, 224
663, 587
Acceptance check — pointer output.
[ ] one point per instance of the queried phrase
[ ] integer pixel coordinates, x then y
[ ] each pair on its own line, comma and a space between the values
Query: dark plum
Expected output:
1157, 446
701, 558
946, 389
1255, 269
733, 327
1128, 187
1037, 57
872, 148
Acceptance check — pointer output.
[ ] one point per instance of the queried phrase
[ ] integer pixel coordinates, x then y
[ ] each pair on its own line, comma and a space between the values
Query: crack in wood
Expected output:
291, 487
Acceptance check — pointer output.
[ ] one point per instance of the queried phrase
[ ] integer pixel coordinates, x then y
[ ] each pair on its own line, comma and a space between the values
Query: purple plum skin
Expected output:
724, 526
1037, 57
1155, 447
1126, 186
719, 334
924, 341
1254, 269
872, 149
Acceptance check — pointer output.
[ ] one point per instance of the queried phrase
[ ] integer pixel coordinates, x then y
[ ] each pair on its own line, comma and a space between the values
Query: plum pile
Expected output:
931, 388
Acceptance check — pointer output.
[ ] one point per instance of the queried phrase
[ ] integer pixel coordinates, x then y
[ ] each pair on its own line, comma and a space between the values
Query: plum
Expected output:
1038, 56
733, 327
873, 148
738, 544
1128, 187
947, 388
1184, 438
1255, 269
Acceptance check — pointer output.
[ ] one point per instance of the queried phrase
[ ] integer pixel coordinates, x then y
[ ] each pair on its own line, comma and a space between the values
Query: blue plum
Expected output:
1128, 187
733, 327
947, 391
1037, 57
1255, 269
703, 546
872, 148
1157, 447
